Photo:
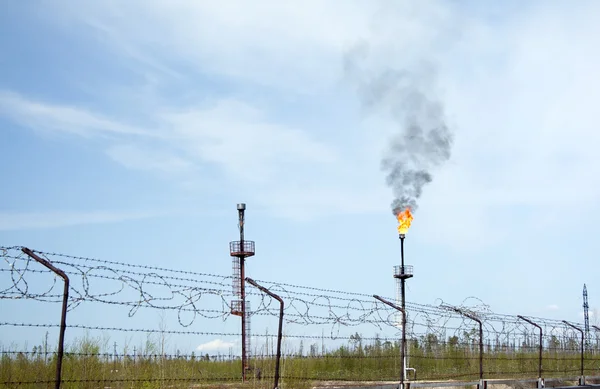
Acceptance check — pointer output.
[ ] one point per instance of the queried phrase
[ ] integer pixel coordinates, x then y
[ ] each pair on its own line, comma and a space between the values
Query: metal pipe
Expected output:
243, 306
279, 330
63, 316
461, 312
403, 302
241, 208
403, 345
582, 340
541, 343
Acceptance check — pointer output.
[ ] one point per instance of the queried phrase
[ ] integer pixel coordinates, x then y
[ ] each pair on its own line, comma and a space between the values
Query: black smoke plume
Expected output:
423, 141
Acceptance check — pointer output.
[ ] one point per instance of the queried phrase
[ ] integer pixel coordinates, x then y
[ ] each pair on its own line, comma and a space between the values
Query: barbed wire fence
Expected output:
329, 335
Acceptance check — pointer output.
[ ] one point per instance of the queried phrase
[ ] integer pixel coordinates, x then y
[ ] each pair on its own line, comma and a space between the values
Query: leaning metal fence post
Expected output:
403, 345
541, 346
63, 317
461, 312
597, 329
582, 378
279, 330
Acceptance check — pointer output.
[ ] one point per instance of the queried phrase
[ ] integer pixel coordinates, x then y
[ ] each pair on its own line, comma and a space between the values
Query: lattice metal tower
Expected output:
586, 317
240, 250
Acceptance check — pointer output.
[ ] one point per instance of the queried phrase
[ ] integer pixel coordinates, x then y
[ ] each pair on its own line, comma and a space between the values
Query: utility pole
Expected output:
586, 316
115, 357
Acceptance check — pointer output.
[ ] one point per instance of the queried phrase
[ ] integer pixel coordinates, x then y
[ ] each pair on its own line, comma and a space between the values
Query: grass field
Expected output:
85, 366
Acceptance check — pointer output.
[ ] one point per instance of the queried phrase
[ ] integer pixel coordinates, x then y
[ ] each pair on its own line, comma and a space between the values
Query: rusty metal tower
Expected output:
240, 250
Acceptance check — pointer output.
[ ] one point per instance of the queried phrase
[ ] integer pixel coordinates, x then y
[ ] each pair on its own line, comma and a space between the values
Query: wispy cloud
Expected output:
44, 116
552, 307
276, 44
248, 146
12, 221
232, 135
135, 157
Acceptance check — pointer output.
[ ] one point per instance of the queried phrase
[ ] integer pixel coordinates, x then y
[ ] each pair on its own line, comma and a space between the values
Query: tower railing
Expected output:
405, 271
241, 248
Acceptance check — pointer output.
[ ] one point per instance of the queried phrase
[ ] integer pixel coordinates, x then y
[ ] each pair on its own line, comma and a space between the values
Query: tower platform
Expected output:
236, 249
403, 272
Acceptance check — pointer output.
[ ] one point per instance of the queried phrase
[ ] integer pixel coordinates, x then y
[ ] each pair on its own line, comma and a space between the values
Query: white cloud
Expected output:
215, 345
241, 140
134, 157
592, 313
552, 307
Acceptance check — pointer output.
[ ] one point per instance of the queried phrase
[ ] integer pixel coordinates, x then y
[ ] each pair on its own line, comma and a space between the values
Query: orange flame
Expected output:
404, 219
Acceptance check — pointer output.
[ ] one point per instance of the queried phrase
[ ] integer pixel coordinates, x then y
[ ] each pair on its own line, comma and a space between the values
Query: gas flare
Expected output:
405, 218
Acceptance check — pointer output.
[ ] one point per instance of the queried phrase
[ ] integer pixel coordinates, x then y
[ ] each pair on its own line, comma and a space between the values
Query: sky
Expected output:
130, 130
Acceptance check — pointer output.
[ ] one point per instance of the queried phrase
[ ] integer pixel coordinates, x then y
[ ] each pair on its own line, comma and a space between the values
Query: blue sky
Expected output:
129, 131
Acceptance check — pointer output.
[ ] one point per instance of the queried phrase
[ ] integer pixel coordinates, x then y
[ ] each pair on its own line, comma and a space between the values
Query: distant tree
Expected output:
414, 344
387, 345
431, 342
356, 341
453, 341
554, 343
314, 350
377, 344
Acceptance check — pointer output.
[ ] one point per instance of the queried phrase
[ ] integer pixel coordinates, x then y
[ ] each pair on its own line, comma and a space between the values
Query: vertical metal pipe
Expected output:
243, 297
241, 225
582, 352
402, 373
480, 350
540, 352
541, 345
279, 330
403, 306
279, 337
242, 291
63, 317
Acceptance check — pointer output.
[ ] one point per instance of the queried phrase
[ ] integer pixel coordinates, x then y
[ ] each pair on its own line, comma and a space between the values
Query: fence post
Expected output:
279, 330
63, 317
540, 381
403, 345
597, 329
582, 377
472, 317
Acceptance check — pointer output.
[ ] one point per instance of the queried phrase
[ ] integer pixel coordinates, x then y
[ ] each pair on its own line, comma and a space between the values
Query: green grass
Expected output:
84, 366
